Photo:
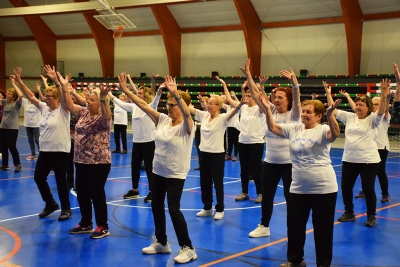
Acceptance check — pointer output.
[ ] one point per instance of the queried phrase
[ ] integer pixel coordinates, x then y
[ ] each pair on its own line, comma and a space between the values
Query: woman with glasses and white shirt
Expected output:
55, 144
212, 160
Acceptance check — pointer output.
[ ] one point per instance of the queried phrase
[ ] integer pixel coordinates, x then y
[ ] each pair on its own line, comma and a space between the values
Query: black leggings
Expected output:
8, 141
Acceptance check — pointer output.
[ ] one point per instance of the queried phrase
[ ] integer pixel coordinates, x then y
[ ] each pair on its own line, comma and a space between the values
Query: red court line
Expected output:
16, 248
280, 241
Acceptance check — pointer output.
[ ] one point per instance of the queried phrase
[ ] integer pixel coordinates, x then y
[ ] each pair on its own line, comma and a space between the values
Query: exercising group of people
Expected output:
297, 151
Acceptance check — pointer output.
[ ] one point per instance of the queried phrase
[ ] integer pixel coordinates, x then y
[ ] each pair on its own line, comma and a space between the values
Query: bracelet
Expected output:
180, 97
296, 87
105, 100
237, 107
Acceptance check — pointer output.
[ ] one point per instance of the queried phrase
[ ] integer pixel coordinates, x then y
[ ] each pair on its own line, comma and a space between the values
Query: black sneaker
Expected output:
115, 151
371, 221
4, 168
100, 232
131, 194
18, 168
347, 217
81, 230
65, 215
148, 198
49, 209
360, 195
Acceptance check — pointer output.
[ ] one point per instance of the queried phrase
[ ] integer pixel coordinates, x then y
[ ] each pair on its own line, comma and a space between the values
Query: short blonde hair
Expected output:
148, 94
53, 91
219, 100
13, 92
186, 97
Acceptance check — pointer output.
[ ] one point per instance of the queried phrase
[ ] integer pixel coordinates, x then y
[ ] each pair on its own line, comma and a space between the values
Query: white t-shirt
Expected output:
32, 116
360, 137
312, 171
276, 147
120, 114
234, 122
212, 132
382, 140
173, 149
252, 125
143, 128
54, 130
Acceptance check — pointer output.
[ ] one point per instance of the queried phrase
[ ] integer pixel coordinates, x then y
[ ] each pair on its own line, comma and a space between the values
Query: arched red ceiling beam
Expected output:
251, 28
44, 36
104, 41
171, 33
2, 65
353, 23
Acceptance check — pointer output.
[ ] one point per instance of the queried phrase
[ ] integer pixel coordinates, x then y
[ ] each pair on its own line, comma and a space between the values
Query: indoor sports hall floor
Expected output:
26, 240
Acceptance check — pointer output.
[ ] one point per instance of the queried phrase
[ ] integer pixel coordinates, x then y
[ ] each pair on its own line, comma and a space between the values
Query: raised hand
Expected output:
171, 85
104, 90
397, 73
246, 69
17, 75
385, 87
61, 79
44, 79
50, 72
69, 77
332, 107
264, 100
327, 88
314, 96
12, 79
154, 76
343, 92
37, 87
220, 80
291, 76
263, 79
122, 80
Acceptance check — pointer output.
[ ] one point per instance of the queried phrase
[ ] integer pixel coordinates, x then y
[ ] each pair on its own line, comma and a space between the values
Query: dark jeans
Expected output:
233, 141
212, 167
120, 130
250, 165
140, 152
70, 165
271, 175
33, 137
367, 172
90, 182
383, 179
323, 215
173, 189
58, 162
197, 138
8, 141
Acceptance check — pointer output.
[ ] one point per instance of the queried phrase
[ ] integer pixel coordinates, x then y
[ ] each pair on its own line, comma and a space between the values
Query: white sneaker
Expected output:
219, 215
185, 255
157, 248
205, 213
260, 231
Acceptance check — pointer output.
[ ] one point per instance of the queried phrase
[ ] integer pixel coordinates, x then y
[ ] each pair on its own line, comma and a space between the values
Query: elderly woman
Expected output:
9, 127
360, 155
277, 164
173, 143
120, 125
143, 131
212, 160
55, 144
92, 156
314, 187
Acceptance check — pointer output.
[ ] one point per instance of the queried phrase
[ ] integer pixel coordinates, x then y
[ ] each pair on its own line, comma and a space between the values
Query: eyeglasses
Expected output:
169, 105
375, 104
48, 96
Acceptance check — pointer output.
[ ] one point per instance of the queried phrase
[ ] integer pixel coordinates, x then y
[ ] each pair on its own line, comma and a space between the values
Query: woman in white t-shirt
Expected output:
55, 145
212, 163
171, 164
32, 118
360, 155
277, 163
120, 126
314, 187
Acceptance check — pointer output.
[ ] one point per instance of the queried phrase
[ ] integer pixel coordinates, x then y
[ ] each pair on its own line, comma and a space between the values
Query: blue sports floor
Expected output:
26, 240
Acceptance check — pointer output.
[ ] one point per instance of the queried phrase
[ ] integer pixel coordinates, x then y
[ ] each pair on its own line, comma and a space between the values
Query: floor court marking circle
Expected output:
16, 247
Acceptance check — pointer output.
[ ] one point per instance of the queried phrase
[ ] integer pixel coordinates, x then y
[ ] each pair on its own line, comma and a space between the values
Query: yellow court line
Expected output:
281, 240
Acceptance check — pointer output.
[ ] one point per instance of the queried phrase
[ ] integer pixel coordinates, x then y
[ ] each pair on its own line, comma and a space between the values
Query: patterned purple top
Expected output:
92, 140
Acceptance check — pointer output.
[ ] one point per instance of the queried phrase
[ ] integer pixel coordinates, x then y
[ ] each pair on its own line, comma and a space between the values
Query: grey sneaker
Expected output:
259, 198
371, 221
242, 196
347, 217
18, 168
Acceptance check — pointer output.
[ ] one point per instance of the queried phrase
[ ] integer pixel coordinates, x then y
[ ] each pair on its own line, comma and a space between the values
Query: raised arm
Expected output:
272, 126
105, 106
328, 93
229, 99
153, 82
254, 91
334, 129
349, 99
291, 76
52, 74
66, 100
79, 98
397, 75
385, 90
314, 96
41, 97
233, 111
44, 80
135, 90
153, 114
29, 95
